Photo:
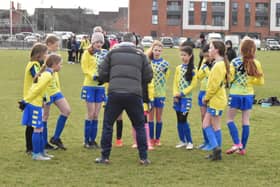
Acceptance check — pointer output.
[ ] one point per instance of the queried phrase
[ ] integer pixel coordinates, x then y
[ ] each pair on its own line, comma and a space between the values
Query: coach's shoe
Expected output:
234, 148
145, 162
102, 161
181, 144
58, 143
39, 156
189, 146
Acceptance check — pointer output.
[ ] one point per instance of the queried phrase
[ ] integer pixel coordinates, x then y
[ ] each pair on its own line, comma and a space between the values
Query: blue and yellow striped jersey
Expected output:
241, 83
180, 84
161, 73
28, 77
38, 89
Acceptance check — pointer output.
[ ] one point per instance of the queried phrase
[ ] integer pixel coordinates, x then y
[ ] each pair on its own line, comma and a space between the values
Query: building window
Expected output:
278, 14
173, 20
218, 13
154, 19
191, 13
204, 6
261, 14
155, 12
247, 14
234, 14
203, 18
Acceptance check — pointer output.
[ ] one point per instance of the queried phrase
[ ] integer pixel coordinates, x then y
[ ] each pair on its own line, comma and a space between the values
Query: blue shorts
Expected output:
241, 102
55, 97
200, 98
214, 112
32, 116
93, 94
159, 102
183, 105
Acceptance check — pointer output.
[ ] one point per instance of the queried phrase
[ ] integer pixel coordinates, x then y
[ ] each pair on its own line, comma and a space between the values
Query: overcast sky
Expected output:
95, 5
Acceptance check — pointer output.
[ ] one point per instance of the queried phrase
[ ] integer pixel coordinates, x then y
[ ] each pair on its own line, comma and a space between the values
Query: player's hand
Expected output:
21, 105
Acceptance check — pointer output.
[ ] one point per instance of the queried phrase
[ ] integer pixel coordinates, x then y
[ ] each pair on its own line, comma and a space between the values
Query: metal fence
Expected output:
22, 44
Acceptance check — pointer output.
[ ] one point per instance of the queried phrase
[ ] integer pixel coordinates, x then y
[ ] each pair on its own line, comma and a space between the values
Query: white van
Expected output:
214, 36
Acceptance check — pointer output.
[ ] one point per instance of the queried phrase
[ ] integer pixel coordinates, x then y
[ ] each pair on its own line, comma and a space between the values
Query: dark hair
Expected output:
205, 49
50, 61
248, 50
228, 42
222, 52
37, 51
202, 36
129, 37
189, 74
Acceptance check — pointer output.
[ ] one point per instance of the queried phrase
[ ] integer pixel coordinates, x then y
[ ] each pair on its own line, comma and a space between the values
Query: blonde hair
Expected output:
49, 62
149, 52
52, 39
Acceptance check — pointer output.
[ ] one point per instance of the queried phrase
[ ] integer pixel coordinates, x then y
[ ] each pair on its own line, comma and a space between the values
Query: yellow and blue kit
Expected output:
242, 90
184, 88
161, 73
215, 89
202, 76
84, 44
31, 69
32, 115
92, 91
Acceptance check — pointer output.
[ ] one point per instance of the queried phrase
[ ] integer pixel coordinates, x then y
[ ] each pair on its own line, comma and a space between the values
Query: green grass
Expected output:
170, 166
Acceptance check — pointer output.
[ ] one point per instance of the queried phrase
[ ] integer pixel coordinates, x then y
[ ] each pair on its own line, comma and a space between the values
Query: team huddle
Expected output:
127, 78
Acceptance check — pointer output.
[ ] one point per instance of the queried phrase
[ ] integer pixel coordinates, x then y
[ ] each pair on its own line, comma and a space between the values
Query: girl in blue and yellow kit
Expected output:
246, 72
37, 57
92, 92
185, 81
215, 98
202, 75
161, 73
33, 101
55, 96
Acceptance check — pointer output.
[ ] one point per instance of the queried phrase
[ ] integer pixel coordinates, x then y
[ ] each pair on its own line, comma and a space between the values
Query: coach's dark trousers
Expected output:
133, 105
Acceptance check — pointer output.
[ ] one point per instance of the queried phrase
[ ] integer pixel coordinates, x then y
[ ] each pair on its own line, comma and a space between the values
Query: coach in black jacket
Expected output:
125, 68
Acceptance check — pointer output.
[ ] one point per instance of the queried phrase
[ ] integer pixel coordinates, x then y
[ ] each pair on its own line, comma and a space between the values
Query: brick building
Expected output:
256, 18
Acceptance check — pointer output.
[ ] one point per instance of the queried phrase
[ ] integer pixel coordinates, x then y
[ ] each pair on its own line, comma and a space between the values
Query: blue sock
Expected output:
181, 132
245, 135
42, 142
218, 135
187, 132
36, 141
59, 126
87, 131
211, 137
93, 130
233, 132
45, 132
151, 127
205, 137
158, 129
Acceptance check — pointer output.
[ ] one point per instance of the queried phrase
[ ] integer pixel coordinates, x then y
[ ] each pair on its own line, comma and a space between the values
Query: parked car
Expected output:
214, 36
147, 41
182, 39
167, 42
272, 45
31, 38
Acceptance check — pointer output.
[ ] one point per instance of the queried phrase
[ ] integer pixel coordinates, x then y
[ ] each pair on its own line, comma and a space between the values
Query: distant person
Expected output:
231, 54
247, 72
161, 73
37, 56
69, 50
32, 105
125, 69
185, 80
106, 44
189, 43
85, 43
